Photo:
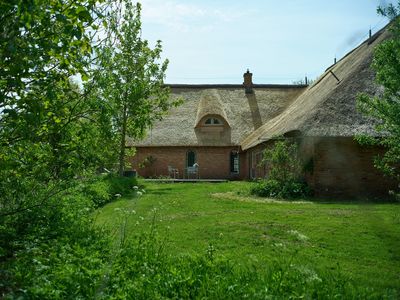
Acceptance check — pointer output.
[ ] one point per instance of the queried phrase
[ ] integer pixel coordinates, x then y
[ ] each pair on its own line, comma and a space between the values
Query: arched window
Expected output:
190, 158
234, 162
213, 121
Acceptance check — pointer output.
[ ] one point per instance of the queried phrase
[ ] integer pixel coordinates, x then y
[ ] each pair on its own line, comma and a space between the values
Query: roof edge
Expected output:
227, 86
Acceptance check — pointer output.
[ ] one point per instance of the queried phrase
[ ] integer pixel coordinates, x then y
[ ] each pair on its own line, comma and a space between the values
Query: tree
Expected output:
48, 133
131, 78
386, 107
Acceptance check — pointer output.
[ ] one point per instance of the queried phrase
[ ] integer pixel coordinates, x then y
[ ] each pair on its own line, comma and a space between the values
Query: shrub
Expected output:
266, 188
275, 189
101, 190
49, 246
284, 176
121, 185
98, 192
282, 161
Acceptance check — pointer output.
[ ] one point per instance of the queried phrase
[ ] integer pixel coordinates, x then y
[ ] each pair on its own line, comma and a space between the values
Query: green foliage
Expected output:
63, 269
282, 161
284, 173
386, 107
47, 129
139, 268
102, 190
56, 134
59, 250
275, 189
82, 264
130, 77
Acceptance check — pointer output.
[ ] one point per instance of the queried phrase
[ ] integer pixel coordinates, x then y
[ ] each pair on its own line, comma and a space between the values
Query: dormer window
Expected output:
213, 121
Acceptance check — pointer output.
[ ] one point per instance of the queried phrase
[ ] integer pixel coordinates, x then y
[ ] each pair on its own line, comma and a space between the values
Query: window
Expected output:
234, 162
213, 121
190, 158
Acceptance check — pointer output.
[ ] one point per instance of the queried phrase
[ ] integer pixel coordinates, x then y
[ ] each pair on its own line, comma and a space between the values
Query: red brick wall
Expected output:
214, 162
336, 168
343, 168
254, 157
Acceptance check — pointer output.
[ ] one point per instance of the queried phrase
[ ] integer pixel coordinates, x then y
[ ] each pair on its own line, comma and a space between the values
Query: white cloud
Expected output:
182, 17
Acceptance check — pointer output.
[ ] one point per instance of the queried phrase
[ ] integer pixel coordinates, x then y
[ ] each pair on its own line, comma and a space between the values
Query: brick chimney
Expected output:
248, 82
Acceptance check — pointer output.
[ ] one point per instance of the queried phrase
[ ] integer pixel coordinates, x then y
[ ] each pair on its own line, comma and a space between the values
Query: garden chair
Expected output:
173, 172
194, 170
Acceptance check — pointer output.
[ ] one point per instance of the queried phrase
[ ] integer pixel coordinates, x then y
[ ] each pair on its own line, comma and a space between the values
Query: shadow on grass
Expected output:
352, 201
159, 191
328, 201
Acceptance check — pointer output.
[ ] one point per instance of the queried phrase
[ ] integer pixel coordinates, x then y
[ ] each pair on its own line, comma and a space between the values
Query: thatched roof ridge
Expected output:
234, 86
328, 107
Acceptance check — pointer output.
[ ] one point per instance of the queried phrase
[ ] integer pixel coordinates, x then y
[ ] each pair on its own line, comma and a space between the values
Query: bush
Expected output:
268, 188
101, 190
45, 249
275, 189
284, 172
121, 185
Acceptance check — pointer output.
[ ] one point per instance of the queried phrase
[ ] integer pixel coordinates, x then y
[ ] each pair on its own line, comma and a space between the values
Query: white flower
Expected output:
298, 235
118, 195
139, 193
135, 187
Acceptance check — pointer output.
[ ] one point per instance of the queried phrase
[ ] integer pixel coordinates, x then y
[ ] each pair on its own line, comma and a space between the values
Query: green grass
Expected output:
361, 240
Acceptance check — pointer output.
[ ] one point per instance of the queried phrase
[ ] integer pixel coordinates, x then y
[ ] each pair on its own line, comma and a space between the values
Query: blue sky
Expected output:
279, 41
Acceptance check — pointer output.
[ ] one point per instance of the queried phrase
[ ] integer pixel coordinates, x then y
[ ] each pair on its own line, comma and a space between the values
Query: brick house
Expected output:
225, 128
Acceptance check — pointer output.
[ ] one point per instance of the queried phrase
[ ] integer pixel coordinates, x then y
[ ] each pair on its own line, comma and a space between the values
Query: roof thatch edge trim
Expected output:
235, 86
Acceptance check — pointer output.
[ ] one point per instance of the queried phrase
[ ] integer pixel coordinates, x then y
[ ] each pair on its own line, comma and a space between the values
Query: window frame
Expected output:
194, 157
234, 162
214, 121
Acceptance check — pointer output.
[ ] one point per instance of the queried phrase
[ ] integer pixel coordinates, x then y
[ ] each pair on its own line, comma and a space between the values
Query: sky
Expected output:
278, 41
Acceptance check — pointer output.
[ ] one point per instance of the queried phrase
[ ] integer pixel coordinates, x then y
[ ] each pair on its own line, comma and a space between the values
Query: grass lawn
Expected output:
362, 240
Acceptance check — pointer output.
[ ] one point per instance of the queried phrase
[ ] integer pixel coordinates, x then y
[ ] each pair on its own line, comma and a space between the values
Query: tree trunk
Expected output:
122, 144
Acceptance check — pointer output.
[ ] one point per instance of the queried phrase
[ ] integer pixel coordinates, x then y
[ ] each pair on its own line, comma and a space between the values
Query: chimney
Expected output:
248, 82
370, 37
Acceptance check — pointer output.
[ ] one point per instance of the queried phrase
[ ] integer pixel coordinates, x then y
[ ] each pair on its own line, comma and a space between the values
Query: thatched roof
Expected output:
210, 105
243, 113
328, 107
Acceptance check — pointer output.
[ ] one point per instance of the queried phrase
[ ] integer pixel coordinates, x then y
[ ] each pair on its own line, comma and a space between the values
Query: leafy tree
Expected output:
131, 78
282, 161
386, 107
47, 133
